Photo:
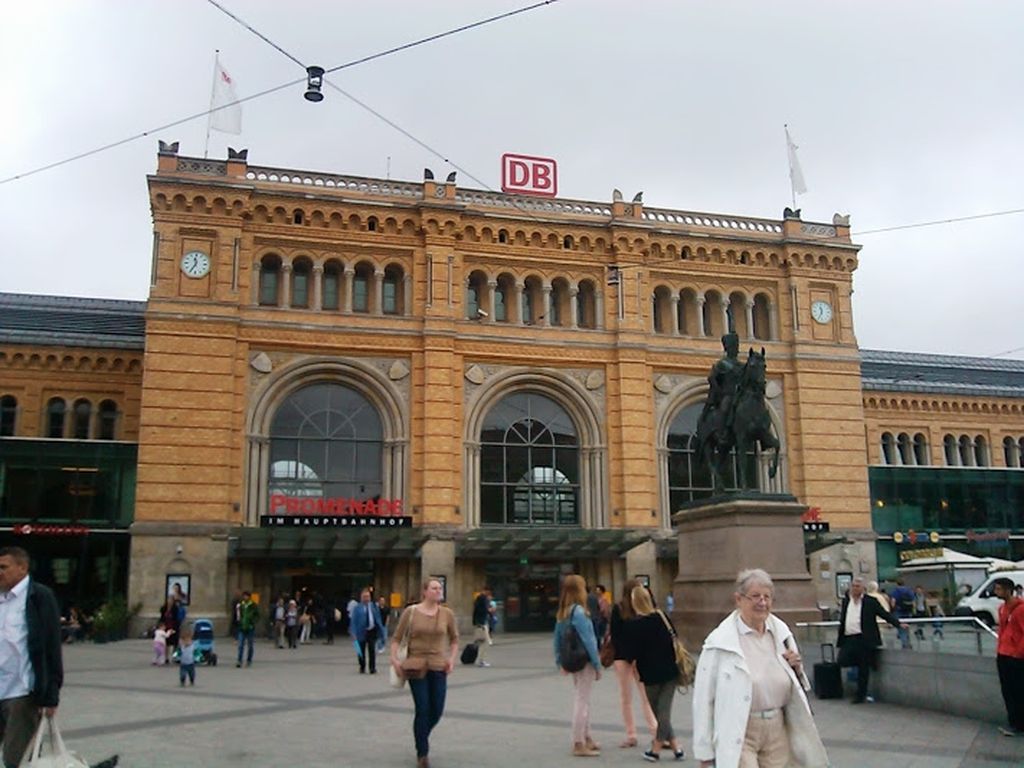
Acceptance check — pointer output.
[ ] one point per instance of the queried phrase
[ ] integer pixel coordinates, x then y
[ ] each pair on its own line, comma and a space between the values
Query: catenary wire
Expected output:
988, 215
268, 91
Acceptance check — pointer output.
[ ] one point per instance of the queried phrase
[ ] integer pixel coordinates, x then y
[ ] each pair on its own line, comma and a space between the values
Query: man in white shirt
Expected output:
31, 668
859, 637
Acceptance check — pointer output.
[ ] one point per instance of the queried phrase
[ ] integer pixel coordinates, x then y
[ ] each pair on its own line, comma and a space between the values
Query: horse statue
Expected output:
736, 418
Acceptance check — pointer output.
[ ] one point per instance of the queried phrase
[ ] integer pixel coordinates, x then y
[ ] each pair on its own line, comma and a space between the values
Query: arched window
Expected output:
502, 236
108, 420
474, 292
270, 274
82, 418
966, 446
921, 457
762, 318
949, 447
559, 302
326, 441
331, 286
394, 300
888, 448
361, 282
301, 272
906, 449
1011, 454
371, 224
586, 305
533, 309
8, 415
689, 324
55, 413
529, 463
981, 455
500, 307
661, 310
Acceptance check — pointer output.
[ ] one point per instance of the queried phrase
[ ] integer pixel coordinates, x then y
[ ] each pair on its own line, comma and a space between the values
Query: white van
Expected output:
982, 602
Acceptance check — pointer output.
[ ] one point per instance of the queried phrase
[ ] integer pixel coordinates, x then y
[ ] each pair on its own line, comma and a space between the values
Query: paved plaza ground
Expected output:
310, 707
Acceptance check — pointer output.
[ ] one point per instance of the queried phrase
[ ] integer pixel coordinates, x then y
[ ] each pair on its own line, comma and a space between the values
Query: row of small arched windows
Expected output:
79, 422
335, 287
962, 451
532, 301
690, 313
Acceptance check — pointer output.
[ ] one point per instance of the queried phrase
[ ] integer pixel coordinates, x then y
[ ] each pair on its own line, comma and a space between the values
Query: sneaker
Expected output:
238, 664
651, 756
680, 755
869, 699
582, 750
483, 663
1009, 731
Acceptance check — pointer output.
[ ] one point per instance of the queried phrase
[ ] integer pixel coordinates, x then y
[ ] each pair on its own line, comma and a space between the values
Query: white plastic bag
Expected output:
47, 749
397, 680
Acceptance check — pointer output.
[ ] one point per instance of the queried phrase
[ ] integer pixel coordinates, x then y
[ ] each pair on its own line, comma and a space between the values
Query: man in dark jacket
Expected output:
859, 637
31, 669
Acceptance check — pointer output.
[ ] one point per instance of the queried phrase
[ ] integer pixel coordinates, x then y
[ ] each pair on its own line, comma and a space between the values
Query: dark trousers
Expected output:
428, 694
245, 637
19, 718
857, 652
659, 696
189, 671
368, 646
1011, 681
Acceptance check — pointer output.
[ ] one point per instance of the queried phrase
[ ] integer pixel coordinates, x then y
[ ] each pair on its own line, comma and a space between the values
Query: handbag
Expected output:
572, 654
397, 680
47, 749
415, 668
607, 652
684, 661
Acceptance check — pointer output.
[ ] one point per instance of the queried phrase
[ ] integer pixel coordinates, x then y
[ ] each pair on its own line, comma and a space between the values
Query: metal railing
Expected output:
936, 634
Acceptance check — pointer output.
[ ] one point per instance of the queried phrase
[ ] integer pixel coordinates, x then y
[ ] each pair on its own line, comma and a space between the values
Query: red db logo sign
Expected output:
526, 175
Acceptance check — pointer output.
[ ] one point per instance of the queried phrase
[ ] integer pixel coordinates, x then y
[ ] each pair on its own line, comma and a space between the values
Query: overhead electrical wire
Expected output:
941, 221
268, 91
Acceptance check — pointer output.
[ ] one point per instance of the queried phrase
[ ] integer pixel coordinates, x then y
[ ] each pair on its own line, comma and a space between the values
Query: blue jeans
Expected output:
245, 636
428, 695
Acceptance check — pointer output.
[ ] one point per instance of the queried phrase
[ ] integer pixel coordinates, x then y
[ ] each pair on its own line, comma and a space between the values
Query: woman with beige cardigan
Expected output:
432, 639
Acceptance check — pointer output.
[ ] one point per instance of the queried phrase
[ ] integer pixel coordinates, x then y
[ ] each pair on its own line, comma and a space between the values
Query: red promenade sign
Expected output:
308, 511
528, 175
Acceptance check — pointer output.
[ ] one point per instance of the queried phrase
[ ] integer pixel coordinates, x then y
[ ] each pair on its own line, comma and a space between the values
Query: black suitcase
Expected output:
828, 678
469, 653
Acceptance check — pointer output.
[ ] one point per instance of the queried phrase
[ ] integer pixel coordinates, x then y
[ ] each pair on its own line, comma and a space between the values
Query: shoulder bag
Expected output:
607, 652
684, 661
415, 668
396, 680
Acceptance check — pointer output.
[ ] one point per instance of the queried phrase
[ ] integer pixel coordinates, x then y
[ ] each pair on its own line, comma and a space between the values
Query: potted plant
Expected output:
112, 619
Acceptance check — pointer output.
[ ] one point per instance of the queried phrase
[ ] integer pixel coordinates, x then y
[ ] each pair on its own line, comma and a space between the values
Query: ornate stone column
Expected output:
517, 300
286, 285
378, 291
318, 287
773, 322
545, 319
725, 314
598, 309
492, 286
574, 310
675, 314
349, 275
701, 325
255, 282
750, 318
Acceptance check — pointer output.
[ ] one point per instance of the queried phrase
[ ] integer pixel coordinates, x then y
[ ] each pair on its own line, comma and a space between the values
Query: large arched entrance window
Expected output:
529, 463
326, 441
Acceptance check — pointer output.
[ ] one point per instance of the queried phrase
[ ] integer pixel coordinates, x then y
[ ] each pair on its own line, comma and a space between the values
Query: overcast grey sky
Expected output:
904, 112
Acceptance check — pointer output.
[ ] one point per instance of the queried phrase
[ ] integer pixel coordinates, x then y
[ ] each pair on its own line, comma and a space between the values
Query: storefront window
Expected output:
326, 440
529, 462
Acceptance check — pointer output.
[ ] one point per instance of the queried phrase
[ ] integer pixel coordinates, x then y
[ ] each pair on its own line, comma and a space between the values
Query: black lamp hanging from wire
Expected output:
314, 82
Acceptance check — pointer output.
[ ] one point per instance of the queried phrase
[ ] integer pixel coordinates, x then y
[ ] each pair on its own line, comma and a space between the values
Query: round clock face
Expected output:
195, 264
821, 311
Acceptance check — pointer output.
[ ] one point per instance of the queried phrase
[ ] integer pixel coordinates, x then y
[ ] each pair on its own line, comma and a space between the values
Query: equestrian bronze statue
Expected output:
735, 415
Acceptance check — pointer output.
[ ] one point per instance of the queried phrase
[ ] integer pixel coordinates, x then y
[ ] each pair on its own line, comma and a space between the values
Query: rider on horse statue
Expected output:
735, 416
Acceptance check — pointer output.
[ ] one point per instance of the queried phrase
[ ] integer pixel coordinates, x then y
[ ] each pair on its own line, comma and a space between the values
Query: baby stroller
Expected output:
202, 636
202, 639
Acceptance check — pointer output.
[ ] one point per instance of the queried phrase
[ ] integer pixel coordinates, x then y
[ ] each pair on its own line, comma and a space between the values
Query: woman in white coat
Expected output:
750, 705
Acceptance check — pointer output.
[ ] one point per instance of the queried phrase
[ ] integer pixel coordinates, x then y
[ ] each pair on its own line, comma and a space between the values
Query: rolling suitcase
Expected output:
469, 653
828, 679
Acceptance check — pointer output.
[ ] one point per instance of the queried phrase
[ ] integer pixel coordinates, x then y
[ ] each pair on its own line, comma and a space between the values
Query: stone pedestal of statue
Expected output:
720, 536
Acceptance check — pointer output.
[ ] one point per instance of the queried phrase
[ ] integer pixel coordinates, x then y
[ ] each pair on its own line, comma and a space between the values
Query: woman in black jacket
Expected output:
656, 664
625, 669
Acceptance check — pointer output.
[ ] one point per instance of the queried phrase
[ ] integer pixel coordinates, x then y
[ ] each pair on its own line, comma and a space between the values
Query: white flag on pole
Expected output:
796, 176
229, 118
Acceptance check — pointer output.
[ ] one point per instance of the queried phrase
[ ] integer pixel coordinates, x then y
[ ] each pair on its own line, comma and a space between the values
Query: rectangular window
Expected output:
330, 290
360, 295
390, 297
300, 289
268, 288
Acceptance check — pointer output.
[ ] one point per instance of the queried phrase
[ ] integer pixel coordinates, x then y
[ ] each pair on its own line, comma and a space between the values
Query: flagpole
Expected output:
792, 188
213, 92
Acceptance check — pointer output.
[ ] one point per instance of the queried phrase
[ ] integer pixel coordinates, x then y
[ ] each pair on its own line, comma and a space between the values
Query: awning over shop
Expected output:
326, 544
545, 542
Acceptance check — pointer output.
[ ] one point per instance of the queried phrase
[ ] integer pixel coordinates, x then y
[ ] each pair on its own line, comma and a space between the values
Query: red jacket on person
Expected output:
1011, 629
